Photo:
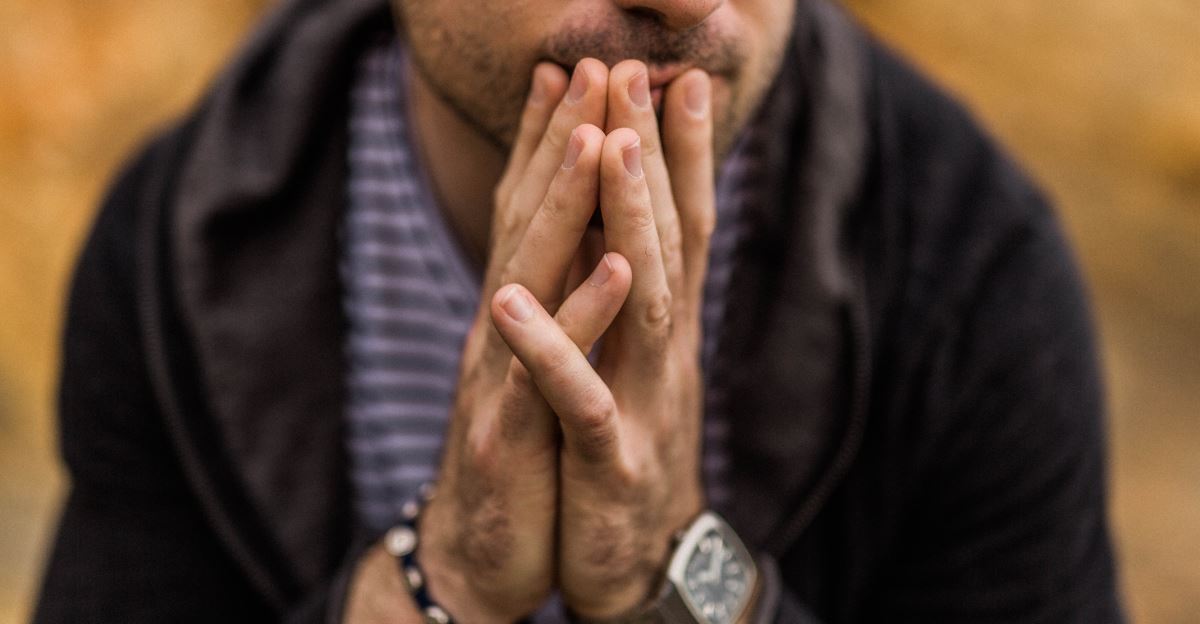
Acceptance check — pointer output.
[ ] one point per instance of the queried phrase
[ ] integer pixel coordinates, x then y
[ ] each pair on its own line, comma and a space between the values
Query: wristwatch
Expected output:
711, 576
711, 579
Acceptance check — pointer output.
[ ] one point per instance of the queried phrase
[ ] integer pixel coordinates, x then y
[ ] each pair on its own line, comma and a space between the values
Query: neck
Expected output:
462, 164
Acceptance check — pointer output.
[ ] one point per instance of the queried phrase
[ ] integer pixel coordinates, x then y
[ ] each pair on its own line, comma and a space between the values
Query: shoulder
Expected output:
105, 274
986, 361
947, 207
244, 128
111, 433
976, 299
981, 320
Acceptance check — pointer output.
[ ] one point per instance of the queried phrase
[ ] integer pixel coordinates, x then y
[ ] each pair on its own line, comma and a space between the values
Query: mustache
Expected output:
645, 39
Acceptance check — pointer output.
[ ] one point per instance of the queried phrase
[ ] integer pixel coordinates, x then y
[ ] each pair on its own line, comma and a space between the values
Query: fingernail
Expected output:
697, 99
574, 149
516, 305
632, 155
603, 271
579, 85
639, 90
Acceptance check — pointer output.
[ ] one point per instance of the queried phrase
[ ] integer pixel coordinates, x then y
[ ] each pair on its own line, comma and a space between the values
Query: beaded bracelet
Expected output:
401, 542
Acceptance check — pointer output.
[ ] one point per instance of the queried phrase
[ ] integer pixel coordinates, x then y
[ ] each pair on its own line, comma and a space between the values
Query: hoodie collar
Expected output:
253, 258
795, 333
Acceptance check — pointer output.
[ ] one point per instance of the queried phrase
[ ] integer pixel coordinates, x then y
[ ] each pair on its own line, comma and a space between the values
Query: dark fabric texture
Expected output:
917, 419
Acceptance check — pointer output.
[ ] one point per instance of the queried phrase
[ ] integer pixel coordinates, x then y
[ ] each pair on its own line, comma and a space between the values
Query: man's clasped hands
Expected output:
558, 473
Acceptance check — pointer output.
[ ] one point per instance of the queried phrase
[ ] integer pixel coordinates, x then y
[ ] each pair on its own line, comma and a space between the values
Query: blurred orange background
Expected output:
1099, 98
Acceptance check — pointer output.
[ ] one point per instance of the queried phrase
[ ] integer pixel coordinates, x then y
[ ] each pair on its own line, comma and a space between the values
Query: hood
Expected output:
243, 296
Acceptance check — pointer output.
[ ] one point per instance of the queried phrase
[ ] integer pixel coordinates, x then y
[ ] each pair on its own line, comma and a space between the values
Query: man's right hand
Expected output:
488, 535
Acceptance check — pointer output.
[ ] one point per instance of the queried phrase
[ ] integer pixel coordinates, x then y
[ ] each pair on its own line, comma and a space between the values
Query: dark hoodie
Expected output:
916, 409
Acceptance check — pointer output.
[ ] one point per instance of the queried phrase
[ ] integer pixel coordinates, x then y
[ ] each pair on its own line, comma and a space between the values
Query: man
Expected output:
685, 255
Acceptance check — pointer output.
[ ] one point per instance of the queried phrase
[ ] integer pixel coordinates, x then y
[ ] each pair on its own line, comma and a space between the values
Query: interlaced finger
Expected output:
546, 89
583, 403
644, 325
583, 317
590, 309
630, 106
688, 149
583, 103
540, 262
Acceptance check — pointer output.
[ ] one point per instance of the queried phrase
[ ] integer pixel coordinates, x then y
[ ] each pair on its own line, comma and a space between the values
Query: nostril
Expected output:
675, 15
648, 13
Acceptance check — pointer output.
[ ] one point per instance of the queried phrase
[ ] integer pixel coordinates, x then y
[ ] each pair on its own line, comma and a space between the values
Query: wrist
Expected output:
376, 592
433, 572
456, 585
628, 572
608, 586
453, 589
616, 605
710, 577
478, 567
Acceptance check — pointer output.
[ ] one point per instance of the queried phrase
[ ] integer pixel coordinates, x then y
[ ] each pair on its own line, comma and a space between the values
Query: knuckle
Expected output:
596, 434
671, 241
509, 228
640, 218
656, 317
596, 413
482, 454
506, 223
657, 311
627, 478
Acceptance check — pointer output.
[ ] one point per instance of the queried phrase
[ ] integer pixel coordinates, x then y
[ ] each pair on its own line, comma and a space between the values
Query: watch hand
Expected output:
714, 566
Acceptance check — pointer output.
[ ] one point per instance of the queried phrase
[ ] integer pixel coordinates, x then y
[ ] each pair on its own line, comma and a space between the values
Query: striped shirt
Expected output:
410, 297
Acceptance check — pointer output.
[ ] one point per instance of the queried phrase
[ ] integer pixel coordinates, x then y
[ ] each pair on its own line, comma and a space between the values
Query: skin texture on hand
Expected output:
629, 465
377, 594
556, 472
488, 536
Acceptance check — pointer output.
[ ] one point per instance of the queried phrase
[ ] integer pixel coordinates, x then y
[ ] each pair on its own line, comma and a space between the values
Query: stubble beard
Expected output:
487, 90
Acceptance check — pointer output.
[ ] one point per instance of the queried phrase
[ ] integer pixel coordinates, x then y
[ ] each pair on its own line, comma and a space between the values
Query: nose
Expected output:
674, 14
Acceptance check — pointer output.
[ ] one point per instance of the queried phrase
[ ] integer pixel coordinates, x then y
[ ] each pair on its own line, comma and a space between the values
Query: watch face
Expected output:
716, 581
